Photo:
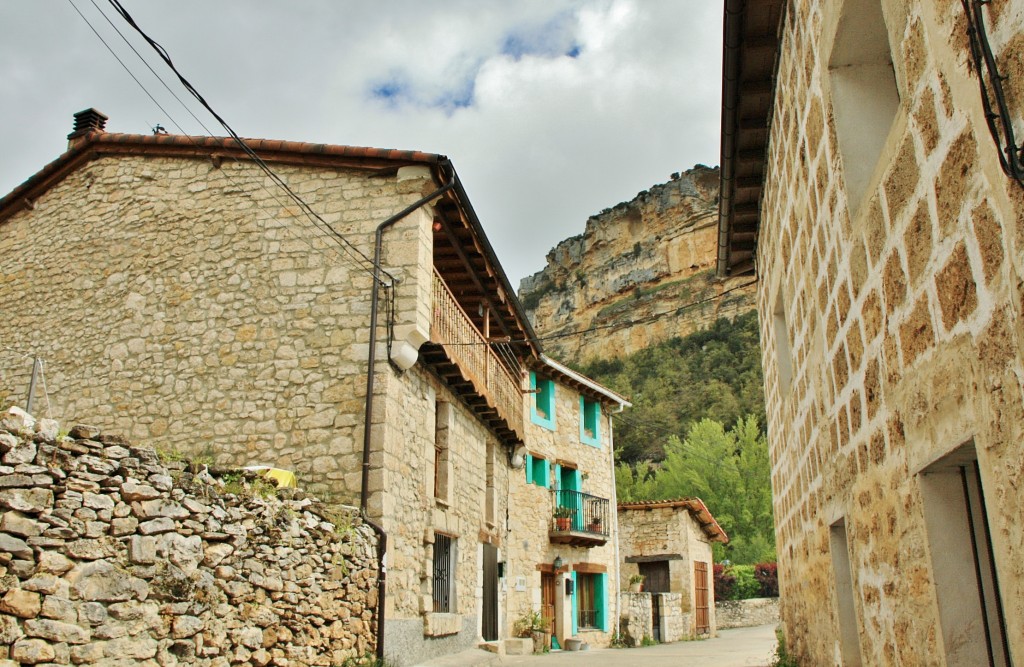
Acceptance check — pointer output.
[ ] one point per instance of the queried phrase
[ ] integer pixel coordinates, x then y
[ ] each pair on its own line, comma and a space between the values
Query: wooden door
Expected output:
547, 600
489, 626
700, 588
655, 576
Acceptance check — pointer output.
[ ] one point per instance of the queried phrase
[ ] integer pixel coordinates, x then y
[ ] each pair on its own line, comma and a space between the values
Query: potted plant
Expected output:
636, 583
595, 524
563, 517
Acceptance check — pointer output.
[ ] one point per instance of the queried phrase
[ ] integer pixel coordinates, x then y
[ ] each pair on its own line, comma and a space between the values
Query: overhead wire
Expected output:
280, 182
322, 233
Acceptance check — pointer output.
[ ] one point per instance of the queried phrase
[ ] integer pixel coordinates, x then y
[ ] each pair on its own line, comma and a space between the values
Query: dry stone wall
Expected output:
110, 557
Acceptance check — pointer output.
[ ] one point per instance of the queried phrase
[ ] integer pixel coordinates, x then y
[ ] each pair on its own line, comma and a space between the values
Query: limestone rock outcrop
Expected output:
634, 273
109, 556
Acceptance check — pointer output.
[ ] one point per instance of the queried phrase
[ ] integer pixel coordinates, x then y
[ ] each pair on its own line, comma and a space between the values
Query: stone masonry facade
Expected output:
110, 556
900, 314
181, 301
529, 549
671, 533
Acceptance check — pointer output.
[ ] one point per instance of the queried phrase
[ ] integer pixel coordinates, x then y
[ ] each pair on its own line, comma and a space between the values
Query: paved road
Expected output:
739, 647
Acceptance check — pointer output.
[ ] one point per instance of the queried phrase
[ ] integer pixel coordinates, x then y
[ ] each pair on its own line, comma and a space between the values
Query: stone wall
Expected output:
110, 557
747, 613
673, 533
636, 621
903, 321
640, 259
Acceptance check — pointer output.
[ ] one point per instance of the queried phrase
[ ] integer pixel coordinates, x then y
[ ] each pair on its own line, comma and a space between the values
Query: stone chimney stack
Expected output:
86, 121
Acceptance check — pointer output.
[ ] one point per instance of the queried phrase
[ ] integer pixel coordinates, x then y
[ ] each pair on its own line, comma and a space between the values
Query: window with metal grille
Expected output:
444, 572
591, 603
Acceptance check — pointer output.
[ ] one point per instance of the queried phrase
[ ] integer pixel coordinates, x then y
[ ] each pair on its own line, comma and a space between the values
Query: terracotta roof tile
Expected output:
695, 506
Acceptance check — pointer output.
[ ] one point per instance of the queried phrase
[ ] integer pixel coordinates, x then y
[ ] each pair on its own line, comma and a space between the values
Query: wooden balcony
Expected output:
579, 519
461, 356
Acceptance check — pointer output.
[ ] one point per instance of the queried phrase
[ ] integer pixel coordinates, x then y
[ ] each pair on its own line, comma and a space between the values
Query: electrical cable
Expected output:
1000, 125
612, 325
303, 205
279, 202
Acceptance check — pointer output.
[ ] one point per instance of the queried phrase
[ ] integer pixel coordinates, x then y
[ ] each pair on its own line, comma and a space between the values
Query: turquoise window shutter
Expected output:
575, 608
546, 474
577, 501
601, 600
529, 468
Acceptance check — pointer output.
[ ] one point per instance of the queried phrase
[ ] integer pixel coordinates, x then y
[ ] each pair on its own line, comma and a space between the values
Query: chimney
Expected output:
86, 121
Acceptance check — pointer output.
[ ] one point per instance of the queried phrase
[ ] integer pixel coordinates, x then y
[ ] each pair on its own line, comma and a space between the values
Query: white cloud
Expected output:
551, 111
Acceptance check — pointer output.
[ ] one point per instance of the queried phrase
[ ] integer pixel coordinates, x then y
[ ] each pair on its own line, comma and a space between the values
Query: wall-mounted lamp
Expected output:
558, 563
517, 457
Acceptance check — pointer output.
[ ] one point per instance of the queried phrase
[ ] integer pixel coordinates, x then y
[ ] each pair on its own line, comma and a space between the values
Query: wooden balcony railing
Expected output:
468, 349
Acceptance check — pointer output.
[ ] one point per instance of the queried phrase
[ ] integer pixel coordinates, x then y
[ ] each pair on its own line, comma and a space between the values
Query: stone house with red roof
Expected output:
668, 543
360, 333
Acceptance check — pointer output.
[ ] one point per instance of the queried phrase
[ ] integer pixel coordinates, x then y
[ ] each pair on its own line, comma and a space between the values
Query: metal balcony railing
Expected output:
469, 350
578, 512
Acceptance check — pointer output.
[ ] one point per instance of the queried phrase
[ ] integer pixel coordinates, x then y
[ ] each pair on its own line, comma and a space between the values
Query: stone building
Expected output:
668, 542
360, 333
863, 145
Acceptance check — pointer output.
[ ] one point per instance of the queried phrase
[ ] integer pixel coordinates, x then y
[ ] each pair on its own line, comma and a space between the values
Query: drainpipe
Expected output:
382, 537
615, 524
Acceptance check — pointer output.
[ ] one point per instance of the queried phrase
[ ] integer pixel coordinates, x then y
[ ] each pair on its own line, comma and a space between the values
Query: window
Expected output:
964, 570
783, 355
442, 458
849, 642
542, 409
444, 573
590, 422
590, 601
537, 468
655, 574
491, 498
864, 93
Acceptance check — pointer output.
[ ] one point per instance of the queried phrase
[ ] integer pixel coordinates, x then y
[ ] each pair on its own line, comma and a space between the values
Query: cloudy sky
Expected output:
551, 110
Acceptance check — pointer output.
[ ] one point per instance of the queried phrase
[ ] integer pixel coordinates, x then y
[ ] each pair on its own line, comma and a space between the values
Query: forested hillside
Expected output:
696, 429
714, 373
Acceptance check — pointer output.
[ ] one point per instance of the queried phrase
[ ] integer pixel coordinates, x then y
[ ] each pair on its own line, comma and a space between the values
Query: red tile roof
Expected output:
695, 506
92, 145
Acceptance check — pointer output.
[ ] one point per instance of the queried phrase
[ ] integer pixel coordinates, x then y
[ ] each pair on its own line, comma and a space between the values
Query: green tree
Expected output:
729, 471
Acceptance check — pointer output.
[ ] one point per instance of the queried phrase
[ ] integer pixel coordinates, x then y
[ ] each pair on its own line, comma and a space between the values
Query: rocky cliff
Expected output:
629, 280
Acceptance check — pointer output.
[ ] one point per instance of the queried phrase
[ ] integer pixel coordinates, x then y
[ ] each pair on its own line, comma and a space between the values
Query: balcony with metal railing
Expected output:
579, 519
461, 355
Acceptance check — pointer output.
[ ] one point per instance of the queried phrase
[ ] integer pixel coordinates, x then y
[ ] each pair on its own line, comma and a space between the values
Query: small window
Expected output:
442, 458
537, 471
590, 422
864, 93
444, 573
849, 642
783, 354
542, 408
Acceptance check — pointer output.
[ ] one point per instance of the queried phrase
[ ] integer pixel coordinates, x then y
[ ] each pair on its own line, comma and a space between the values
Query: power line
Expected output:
621, 325
280, 182
325, 235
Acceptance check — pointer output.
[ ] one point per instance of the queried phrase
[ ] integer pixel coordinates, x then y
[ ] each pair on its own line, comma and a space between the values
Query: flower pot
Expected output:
573, 644
594, 528
562, 522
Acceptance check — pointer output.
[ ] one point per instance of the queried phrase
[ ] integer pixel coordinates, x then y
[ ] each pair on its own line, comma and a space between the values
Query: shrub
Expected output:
725, 582
767, 575
746, 585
